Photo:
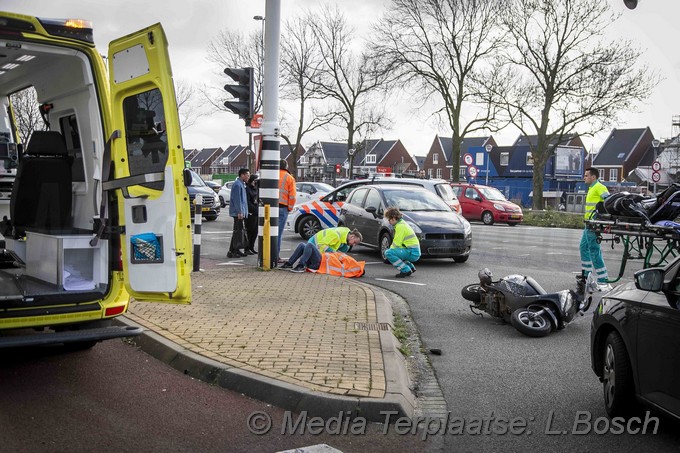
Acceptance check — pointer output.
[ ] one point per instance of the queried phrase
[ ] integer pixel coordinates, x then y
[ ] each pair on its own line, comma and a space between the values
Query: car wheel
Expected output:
309, 226
487, 218
211, 218
513, 223
385, 243
222, 203
617, 377
531, 323
461, 259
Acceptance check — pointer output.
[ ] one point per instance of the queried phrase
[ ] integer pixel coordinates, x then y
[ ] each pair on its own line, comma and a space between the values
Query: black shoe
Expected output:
286, 265
250, 252
403, 274
230, 255
240, 254
299, 268
253, 251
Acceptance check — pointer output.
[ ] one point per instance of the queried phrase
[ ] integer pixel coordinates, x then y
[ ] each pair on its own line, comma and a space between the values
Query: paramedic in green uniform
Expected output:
591, 252
405, 248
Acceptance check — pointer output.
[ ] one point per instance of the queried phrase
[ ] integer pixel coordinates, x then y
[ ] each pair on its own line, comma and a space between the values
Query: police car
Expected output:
310, 217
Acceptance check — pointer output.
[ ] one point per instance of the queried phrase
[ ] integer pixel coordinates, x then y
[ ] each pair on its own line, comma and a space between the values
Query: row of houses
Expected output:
626, 155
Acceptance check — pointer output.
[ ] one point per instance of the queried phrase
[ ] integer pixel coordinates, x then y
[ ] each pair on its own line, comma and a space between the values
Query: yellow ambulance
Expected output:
94, 205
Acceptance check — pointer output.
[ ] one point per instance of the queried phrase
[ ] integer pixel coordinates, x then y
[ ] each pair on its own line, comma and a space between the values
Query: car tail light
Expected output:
113, 311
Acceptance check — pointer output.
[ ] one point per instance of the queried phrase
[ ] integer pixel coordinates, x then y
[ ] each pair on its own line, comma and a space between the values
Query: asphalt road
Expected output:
489, 371
117, 398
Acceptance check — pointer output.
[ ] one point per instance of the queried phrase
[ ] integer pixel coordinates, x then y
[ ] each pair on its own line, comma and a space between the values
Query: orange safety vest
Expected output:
287, 192
340, 264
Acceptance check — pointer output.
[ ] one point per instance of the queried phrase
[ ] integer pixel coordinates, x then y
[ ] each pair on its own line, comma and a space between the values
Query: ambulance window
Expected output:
147, 142
69, 130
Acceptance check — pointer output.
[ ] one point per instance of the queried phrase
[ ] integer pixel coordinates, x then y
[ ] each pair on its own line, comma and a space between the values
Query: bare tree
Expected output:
233, 49
438, 48
26, 113
350, 79
188, 112
300, 66
561, 76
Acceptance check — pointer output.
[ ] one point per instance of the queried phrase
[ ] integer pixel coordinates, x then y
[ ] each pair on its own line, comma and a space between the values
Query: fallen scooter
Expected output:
521, 301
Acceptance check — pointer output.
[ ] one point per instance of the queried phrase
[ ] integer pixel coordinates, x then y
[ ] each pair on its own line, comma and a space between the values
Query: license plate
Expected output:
514, 216
205, 209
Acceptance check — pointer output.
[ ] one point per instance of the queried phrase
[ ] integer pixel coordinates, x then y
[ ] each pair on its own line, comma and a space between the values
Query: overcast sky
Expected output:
191, 24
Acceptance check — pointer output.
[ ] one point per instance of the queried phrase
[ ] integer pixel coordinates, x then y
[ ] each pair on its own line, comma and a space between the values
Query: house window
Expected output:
461, 173
613, 174
439, 173
303, 160
530, 159
370, 158
435, 158
505, 158
429, 172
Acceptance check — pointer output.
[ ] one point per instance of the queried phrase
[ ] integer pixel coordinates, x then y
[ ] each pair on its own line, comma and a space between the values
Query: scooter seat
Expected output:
534, 284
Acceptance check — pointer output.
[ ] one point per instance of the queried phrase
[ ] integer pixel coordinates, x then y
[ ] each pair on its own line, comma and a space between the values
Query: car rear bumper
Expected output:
69, 336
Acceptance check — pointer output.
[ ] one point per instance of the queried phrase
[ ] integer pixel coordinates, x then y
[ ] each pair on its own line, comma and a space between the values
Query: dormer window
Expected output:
370, 158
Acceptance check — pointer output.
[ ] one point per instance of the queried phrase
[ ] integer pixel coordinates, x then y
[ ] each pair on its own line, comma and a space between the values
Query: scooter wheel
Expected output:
531, 323
471, 293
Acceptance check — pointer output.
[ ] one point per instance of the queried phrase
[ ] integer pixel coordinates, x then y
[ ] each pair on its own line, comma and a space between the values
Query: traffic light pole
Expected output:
271, 152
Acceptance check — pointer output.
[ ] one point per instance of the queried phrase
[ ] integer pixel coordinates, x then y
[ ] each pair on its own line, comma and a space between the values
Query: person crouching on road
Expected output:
338, 239
405, 248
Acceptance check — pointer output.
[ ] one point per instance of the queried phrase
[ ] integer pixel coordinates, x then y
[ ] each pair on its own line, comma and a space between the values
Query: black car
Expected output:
210, 207
442, 233
635, 342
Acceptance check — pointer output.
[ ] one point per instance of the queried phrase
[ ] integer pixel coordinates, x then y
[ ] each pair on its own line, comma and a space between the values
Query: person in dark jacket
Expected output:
251, 221
238, 209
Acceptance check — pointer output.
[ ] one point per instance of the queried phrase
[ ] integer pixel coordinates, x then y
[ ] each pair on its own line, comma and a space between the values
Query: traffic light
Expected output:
337, 168
243, 92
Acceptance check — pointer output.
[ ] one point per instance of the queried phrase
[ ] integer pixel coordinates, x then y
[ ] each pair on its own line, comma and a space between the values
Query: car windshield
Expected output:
414, 200
492, 194
196, 181
445, 191
323, 187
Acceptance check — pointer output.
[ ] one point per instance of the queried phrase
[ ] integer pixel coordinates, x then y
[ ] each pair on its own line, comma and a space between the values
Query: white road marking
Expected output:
374, 262
554, 253
400, 281
231, 263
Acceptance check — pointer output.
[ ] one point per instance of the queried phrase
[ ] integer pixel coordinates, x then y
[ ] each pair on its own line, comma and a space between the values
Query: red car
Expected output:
487, 204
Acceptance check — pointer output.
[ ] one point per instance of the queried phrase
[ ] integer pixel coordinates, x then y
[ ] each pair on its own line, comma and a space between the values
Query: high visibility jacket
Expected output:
330, 239
404, 236
596, 193
336, 263
287, 191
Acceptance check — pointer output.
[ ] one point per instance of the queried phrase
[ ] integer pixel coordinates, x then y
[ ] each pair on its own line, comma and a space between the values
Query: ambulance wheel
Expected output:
487, 218
309, 226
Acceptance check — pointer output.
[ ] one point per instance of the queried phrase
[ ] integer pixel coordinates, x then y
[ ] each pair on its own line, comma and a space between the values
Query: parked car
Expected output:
214, 185
487, 204
307, 191
225, 193
635, 342
210, 207
310, 217
442, 233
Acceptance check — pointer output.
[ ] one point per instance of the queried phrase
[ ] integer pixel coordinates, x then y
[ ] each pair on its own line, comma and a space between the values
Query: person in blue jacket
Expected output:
238, 209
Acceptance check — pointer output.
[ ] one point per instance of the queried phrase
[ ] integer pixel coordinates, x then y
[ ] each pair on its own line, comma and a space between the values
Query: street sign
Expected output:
257, 120
467, 158
656, 176
656, 165
473, 171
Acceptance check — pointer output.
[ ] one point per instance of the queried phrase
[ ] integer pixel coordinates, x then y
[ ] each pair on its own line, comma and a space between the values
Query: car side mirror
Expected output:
187, 177
341, 198
372, 210
649, 280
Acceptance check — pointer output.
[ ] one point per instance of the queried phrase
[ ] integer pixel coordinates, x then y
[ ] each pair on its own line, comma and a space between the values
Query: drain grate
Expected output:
371, 326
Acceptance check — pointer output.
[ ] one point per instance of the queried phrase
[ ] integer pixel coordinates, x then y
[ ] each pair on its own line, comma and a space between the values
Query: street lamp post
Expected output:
488, 149
655, 145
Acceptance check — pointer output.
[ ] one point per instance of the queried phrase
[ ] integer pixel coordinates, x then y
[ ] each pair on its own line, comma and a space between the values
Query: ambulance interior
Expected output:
49, 194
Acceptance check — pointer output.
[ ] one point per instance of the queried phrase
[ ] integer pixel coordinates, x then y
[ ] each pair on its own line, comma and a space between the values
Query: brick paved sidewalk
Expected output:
300, 329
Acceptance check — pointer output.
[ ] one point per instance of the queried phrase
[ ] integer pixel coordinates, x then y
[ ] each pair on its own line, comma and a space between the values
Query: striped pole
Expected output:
270, 159
198, 218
